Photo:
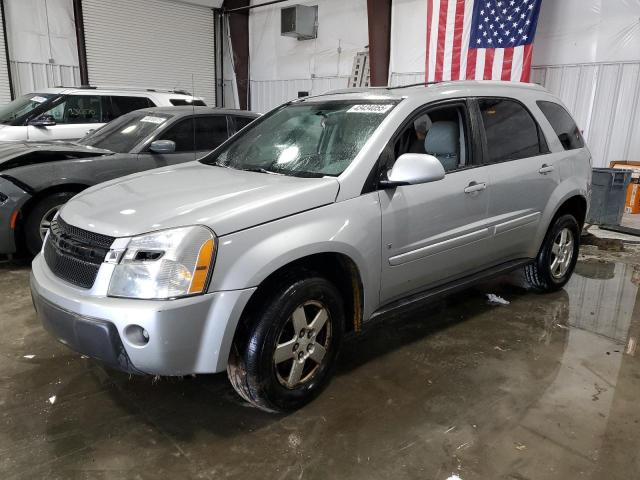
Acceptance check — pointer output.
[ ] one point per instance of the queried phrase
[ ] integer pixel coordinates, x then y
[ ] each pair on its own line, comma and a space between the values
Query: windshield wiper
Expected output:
260, 170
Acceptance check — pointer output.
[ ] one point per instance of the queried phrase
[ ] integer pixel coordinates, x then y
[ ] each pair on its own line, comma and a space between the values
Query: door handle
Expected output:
545, 169
475, 187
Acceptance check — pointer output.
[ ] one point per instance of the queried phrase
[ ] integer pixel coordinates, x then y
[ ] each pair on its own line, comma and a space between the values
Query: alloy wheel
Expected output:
302, 345
561, 253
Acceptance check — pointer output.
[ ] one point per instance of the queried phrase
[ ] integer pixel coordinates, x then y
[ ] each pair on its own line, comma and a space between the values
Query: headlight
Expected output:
165, 264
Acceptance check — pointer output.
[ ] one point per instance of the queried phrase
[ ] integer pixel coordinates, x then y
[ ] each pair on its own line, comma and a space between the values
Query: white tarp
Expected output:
40, 30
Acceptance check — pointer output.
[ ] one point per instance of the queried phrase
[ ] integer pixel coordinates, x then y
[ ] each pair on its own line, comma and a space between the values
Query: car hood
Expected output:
11, 150
224, 199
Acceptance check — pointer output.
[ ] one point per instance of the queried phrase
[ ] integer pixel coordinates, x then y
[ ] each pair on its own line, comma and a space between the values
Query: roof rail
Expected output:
420, 84
177, 91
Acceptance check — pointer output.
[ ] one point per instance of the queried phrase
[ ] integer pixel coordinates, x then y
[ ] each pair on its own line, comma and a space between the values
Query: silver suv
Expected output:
320, 216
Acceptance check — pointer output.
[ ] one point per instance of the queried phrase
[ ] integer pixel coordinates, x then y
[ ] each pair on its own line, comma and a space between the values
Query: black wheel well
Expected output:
33, 201
576, 206
338, 268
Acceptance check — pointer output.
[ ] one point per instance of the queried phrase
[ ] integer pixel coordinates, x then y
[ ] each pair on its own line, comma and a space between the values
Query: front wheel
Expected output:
557, 258
39, 219
290, 346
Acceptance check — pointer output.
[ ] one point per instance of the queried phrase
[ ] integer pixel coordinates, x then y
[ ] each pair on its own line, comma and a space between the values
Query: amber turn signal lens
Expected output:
203, 264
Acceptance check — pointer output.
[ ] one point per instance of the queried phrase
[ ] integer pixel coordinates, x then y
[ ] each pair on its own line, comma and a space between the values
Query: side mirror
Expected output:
163, 146
43, 121
413, 169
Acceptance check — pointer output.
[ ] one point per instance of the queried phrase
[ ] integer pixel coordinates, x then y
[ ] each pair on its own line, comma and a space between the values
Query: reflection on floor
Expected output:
546, 387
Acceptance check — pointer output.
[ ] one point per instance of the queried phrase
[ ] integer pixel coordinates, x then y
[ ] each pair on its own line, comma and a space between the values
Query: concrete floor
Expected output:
546, 387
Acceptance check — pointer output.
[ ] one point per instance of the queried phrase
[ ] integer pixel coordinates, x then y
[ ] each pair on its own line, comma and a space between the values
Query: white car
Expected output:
71, 113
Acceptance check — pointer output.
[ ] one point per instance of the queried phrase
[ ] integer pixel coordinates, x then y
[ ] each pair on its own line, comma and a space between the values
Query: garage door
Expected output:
5, 93
150, 44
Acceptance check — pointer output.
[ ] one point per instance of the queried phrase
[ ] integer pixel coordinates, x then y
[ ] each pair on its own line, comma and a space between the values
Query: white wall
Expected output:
280, 66
587, 31
42, 44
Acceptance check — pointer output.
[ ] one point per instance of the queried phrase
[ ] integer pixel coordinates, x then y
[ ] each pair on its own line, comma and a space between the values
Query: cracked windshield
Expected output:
310, 139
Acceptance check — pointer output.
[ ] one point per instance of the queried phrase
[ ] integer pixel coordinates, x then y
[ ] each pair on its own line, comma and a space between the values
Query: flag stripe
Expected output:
471, 64
442, 27
480, 61
433, 39
466, 53
489, 54
429, 10
516, 65
526, 62
457, 39
506, 64
449, 39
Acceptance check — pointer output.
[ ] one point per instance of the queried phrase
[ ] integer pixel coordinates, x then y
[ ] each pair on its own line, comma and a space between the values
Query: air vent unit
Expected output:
299, 21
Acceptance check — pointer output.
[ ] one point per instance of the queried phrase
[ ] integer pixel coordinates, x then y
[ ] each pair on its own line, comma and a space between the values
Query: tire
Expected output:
554, 265
39, 216
273, 378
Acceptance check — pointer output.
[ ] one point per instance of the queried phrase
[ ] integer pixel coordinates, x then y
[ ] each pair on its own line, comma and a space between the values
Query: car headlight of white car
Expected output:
165, 264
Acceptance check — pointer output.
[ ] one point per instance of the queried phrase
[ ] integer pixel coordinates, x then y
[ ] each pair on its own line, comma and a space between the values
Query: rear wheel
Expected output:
39, 219
290, 346
558, 255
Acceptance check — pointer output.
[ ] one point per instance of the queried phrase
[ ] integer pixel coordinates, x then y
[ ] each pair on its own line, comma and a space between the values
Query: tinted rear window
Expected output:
562, 123
511, 131
179, 102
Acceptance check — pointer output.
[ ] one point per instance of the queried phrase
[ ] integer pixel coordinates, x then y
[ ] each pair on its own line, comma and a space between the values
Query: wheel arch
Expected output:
37, 197
337, 267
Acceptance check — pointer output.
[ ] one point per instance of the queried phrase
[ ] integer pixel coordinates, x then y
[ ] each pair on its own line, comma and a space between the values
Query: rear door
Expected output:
434, 232
523, 175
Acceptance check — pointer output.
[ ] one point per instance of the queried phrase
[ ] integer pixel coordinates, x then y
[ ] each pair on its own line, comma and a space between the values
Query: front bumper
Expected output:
16, 198
186, 336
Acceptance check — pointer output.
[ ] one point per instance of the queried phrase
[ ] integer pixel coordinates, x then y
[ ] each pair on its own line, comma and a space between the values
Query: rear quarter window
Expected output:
566, 129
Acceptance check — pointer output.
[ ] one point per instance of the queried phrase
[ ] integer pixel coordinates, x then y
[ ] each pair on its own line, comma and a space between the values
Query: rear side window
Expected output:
118, 106
179, 102
209, 133
242, 122
511, 131
562, 123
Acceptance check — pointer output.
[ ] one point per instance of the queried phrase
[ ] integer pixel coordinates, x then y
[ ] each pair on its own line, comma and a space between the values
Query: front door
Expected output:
435, 232
75, 116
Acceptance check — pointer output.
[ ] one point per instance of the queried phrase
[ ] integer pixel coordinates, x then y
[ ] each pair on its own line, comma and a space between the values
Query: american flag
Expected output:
480, 39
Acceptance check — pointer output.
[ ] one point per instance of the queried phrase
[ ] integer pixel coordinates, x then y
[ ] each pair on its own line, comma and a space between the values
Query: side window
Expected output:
562, 123
182, 134
210, 132
441, 132
242, 122
116, 106
179, 102
511, 131
78, 109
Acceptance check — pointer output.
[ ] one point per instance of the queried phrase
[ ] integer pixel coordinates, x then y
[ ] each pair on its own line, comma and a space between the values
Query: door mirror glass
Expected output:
163, 146
43, 121
413, 169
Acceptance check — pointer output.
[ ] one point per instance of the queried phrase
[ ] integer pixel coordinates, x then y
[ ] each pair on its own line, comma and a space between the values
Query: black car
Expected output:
36, 179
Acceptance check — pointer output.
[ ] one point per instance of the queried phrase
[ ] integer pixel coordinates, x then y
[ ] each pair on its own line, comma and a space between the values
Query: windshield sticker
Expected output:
38, 99
151, 119
380, 108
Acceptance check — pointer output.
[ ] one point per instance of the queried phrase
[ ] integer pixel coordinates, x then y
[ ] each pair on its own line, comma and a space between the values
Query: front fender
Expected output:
352, 228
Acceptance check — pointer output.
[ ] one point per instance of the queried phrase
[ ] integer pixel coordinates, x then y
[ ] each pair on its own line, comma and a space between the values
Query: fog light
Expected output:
136, 335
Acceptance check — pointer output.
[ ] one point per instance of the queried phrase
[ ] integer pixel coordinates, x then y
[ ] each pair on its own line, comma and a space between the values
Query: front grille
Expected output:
75, 255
